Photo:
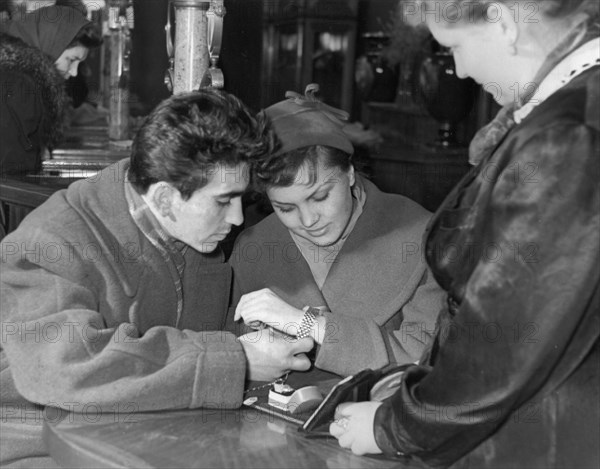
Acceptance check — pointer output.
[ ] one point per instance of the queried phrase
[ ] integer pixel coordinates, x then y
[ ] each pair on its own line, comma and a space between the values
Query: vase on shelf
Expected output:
407, 95
375, 79
447, 98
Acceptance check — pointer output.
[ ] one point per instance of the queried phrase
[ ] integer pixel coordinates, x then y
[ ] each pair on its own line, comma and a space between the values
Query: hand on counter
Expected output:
353, 427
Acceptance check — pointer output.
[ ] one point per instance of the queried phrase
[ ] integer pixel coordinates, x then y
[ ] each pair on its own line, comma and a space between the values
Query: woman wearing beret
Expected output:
38, 52
513, 376
338, 260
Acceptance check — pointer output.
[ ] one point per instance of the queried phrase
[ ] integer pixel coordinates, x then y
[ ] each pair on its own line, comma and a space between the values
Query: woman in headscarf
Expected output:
38, 52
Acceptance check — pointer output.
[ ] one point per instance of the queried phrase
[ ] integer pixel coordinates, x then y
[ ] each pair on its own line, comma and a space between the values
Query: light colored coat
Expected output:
89, 313
382, 299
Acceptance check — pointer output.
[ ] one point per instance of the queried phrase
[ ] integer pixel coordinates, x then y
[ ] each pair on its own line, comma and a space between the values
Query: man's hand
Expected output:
271, 354
264, 307
353, 427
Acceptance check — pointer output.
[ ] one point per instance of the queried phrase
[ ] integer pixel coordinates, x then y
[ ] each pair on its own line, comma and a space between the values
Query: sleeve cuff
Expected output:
220, 372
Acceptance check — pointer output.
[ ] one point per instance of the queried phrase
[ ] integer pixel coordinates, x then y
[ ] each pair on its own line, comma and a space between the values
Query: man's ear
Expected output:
163, 198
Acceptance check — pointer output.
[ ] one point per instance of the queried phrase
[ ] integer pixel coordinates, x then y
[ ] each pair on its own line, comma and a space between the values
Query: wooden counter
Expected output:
85, 150
20, 195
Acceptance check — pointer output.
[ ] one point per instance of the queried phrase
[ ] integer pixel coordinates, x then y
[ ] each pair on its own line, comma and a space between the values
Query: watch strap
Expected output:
308, 321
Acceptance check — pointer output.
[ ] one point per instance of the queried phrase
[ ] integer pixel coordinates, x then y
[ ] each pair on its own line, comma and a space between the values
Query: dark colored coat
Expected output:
384, 303
32, 105
513, 376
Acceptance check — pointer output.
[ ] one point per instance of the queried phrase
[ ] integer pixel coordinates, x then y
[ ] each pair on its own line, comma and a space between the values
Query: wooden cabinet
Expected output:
21, 195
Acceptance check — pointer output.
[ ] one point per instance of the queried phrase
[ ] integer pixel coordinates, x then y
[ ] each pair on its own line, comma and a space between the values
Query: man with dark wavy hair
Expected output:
122, 281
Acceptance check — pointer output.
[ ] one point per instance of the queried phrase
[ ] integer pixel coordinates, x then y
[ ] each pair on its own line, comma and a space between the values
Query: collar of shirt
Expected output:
320, 259
171, 250
147, 222
574, 64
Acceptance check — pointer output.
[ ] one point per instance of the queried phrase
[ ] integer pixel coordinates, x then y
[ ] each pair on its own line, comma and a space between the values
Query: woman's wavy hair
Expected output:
286, 169
189, 136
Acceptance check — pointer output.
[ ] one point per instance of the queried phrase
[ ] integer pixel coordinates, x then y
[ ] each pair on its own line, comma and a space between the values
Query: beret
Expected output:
303, 121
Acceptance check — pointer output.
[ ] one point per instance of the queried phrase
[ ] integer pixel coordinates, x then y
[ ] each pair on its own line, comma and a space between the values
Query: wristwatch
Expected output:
308, 321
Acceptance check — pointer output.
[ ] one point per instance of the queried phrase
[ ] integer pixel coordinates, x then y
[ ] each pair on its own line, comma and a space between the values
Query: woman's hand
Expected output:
353, 427
264, 307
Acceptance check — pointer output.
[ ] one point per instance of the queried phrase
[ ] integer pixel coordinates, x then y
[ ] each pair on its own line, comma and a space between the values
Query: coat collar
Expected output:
361, 255
563, 59
573, 65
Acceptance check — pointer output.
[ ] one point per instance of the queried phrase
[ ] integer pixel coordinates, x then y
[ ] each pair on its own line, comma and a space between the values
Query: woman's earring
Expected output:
513, 49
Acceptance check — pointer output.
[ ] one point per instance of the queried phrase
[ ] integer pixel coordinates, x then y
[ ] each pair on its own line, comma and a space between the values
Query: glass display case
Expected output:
310, 41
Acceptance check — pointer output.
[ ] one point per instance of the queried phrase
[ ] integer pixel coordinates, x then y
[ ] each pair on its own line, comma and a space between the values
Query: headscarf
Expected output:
49, 29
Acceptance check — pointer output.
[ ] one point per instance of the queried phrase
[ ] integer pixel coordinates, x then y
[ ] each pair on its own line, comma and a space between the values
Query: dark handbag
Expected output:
365, 385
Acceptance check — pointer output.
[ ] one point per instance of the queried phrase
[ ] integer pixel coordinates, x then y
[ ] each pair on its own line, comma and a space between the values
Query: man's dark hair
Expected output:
188, 136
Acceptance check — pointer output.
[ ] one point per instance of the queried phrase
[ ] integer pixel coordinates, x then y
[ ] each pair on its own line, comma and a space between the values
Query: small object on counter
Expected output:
250, 400
284, 397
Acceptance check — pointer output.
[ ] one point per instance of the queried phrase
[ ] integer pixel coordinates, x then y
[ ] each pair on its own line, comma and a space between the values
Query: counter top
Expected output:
201, 438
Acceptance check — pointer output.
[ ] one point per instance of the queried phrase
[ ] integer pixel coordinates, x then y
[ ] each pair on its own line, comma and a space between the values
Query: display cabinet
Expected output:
310, 41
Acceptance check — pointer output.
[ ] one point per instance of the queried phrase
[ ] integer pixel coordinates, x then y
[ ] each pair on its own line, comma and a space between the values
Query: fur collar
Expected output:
16, 56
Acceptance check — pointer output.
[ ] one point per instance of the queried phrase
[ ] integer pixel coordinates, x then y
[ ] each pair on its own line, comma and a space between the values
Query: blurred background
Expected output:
411, 118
